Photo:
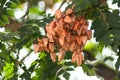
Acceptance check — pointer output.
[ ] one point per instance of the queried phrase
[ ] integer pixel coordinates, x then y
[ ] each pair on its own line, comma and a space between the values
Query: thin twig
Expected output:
26, 56
27, 12
62, 3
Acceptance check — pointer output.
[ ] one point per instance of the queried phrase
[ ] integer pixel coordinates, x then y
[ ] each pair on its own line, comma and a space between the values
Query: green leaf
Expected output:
100, 47
88, 69
119, 3
4, 56
68, 55
8, 69
2, 23
69, 69
66, 75
115, 47
13, 5
117, 64
68, 63
5, 19
60, 72
42, 55
109, 58
35, 78
2, 46
114, 1
34, 63
9, 13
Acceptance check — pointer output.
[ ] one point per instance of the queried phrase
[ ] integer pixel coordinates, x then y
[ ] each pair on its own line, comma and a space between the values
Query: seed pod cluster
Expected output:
66, 33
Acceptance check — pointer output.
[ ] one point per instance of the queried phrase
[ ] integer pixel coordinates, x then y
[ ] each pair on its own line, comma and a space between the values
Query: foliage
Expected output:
23, 32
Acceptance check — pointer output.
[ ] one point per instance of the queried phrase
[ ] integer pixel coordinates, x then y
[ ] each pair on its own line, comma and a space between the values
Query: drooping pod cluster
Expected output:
66, 33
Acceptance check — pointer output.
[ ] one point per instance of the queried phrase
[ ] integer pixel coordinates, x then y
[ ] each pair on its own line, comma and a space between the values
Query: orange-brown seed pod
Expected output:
73, 46
84, 39
61, 41
51, 47
69, 11
58, 14
74, 56
61, 54
89, 34
78, 40
53, 56
76, 25
45, 41
68, 20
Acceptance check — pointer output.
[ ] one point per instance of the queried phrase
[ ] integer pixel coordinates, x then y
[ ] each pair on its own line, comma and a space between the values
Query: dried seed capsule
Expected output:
61, 41
51, 47
61, 54
53, 56
67, 19
74, 56
84, 39
89, 34
73, 46
69, 11
58, 14
78, 40
45, 41
76, 25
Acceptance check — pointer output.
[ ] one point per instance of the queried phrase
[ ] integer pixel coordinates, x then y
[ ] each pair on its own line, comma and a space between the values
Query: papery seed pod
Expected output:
66, 46
78, 49
79, 61
58, 14
64, 33
48, 30
61, 54
53, 56
82, 21
84, 32
69, 11
61, 41
89, 34
68, 37
74, 56
47, 49
67, 19
73, 17
45, 41
73, 46
51, 47
79, 31
40, 46
78, 40
61, 22
67, 27
80, 55
72, 38
59, 29
40, 42
52, 24
84, 39
50, 37
76, 25
85, 27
